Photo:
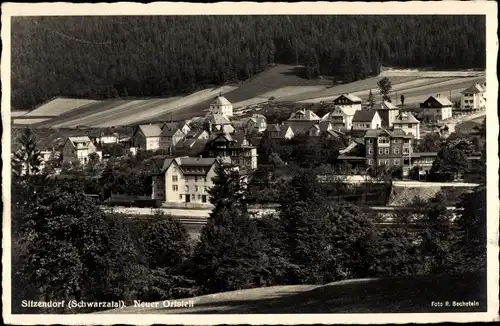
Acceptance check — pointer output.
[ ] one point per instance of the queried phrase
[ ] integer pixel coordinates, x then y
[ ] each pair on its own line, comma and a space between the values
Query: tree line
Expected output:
110, 57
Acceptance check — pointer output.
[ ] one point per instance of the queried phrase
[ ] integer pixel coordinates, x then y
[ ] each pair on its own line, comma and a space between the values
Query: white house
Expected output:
147, 137
348, 103
408, 123
338, 118
437, 108
256, 122
185, 180
221, 106
473, 98
78, 148
366, 119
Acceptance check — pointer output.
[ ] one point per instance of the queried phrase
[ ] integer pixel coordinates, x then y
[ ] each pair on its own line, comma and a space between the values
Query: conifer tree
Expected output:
371, 100
27, 159
229, 254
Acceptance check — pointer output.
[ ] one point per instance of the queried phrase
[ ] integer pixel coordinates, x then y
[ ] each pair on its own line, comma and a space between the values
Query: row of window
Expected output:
387, 150
395, 161
195, 178
385, 140
203, 198
186, 188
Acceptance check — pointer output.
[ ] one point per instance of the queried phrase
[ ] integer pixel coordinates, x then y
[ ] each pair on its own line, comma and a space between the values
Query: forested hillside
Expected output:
106, 57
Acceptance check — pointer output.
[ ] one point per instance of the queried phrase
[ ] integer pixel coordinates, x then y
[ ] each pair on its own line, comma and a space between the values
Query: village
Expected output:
377, 136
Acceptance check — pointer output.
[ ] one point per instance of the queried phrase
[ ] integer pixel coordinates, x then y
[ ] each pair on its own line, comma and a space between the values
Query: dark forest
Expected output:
143, 56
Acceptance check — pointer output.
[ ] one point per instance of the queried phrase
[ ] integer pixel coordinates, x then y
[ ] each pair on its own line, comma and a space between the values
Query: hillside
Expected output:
104, 57
282, 82
389, 295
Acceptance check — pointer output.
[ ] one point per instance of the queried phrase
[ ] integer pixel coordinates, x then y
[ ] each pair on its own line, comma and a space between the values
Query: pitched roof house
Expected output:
366, 119
408, 123
436, 108
78, 148
147, 137
387, 112
304, 115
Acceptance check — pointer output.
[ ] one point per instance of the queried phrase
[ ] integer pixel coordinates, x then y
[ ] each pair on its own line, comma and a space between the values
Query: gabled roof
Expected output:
406, 117
308, 115
397, 133
195, 161
80, 139
273, 127
474, 89
335, 133
364, 116
299, 127
173, 125
324, 125
151, 130
220, 100
443, 100
170, 130
350, 97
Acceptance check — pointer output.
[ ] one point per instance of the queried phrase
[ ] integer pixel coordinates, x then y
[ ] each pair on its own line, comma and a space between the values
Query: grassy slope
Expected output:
388, 295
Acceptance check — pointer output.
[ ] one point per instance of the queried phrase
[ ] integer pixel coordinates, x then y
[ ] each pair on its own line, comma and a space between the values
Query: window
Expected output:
370, 161
381, 162
383, 140
370, 150
175, 188
381, 151
387, 151
174, 178
406, 151
199, 196
367, 125
205, 188
186, 188
370, 141
407, 141
410, 126
195, 179
180, 196
205, 179
396, 161
396, 150
195, 188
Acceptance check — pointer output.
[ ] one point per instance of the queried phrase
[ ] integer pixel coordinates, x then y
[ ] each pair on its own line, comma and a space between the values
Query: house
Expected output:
349, 104
277, 131
192, 145
184, 180
182, 125
389, 148
170, 135
221, 106
220, 123
147, 137
436, 108
387, 112
235, 148
338, 119
366, 119
473, 98
423, 160
304, 115
78, 149
257, 122
408, 123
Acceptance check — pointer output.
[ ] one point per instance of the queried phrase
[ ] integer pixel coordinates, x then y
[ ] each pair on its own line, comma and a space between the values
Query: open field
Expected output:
401, 295
281, 82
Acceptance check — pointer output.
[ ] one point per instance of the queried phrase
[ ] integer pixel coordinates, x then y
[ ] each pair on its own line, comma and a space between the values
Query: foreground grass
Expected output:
413, 294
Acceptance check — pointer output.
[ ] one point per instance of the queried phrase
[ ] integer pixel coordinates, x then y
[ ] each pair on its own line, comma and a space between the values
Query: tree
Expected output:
166, 243
27, 159
430, 143
67, 244
471, 236
229, 255
402, 100
371, 100
452, 159
385, 87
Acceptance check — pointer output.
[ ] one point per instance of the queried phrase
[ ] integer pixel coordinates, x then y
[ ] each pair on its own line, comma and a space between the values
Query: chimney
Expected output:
438, 95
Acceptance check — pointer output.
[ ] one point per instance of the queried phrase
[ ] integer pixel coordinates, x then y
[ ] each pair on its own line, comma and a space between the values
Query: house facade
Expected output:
408, 123
235, 149
78, 149
388, 113
437, 108
147, 137
256, 122
389, 148
473, 98
221, 106
277, 131
338, 119
184, 180
366, 119
349, 104
170, 136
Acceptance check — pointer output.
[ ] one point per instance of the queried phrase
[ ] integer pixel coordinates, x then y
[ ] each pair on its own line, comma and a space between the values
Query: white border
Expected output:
487, 8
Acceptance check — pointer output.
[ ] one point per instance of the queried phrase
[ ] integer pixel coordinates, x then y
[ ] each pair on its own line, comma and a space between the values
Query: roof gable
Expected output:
473, 89
347, 99
364, 116
150, 130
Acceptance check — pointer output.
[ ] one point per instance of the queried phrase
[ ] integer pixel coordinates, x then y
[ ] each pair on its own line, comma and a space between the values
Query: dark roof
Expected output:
420, 154
474, 89
373, 133
167, 131
364, 116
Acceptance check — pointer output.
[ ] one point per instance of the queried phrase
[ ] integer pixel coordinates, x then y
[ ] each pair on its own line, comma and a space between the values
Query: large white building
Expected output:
221, 106
185, 180
473, 98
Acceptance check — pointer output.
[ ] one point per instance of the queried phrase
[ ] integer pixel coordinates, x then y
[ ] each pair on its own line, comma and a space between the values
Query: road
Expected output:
451, 123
